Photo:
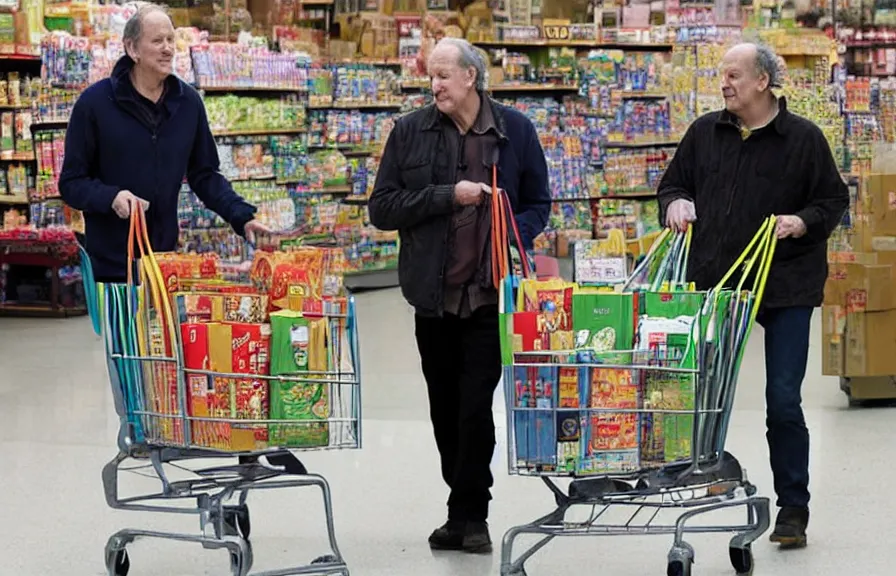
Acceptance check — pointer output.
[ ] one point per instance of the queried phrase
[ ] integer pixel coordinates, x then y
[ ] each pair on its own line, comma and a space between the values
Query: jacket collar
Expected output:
434, 117
780, 123
123, 91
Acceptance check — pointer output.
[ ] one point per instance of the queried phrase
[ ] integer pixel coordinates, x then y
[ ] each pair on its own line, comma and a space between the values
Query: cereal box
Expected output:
241, 348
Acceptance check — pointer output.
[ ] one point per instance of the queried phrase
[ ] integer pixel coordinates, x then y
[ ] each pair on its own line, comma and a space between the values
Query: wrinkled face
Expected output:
154, 50
742, 84
451, 84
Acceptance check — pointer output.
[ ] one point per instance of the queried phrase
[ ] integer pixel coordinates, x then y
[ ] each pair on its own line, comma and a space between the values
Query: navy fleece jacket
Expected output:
110, 146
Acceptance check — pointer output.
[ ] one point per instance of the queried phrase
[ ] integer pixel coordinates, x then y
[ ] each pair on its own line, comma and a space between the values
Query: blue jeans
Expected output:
786, 354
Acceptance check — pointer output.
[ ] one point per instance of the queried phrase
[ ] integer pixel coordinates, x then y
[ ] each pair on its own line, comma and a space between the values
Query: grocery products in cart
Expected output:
204, 368
629, 393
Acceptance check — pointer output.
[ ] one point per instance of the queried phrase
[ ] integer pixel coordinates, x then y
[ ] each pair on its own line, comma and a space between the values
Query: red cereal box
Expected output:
237, 348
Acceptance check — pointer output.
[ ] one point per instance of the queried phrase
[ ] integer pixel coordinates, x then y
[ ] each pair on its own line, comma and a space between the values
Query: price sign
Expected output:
601, 270
593, 265
556, 32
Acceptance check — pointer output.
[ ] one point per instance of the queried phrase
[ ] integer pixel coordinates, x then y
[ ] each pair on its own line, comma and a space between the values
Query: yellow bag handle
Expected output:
761, 250
151, 278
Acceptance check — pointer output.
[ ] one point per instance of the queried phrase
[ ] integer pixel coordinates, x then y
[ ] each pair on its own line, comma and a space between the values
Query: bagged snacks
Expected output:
299, 346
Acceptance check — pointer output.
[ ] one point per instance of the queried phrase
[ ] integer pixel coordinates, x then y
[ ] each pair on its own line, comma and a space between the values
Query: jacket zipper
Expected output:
155, 149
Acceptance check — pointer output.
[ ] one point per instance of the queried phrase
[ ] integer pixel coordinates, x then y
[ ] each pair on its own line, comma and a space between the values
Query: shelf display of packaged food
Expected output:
229, 114
296, 119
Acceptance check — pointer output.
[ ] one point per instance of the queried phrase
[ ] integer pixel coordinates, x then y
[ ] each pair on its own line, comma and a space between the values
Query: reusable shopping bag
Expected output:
141, 341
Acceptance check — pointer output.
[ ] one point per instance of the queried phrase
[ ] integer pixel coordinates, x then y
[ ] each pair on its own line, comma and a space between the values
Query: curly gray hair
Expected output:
767, 63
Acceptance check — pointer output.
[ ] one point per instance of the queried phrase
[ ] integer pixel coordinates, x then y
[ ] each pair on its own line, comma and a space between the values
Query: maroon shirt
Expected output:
470, 230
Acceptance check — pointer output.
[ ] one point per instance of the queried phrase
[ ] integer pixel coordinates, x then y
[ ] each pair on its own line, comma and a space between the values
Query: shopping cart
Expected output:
153, 385
638, 422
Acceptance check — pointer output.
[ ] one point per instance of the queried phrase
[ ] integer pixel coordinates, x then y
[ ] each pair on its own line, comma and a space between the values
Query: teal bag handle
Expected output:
91, 297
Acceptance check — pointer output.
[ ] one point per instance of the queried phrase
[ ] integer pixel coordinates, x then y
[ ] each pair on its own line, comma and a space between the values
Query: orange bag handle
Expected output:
503, 224
150, 273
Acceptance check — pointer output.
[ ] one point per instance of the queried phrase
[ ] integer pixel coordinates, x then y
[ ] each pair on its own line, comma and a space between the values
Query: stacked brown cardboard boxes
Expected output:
859, 312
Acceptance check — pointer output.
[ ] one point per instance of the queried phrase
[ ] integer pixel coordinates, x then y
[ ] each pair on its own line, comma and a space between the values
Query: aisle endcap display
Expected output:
54, 287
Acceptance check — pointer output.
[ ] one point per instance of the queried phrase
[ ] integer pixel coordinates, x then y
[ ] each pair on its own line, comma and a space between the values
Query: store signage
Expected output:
556, 32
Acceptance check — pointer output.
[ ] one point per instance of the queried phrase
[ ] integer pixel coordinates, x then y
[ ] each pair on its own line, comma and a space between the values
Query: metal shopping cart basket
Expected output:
155, 387
634, 403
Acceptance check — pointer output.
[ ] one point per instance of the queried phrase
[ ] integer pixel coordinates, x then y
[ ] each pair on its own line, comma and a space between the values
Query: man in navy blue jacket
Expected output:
130, 141
432, 186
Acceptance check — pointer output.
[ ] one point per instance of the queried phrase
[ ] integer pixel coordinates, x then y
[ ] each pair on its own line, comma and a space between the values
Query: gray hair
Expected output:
468, 57
767, 63
133, 28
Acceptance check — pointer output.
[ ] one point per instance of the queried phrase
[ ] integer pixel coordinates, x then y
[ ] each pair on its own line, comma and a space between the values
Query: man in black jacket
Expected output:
432, 186
733, 169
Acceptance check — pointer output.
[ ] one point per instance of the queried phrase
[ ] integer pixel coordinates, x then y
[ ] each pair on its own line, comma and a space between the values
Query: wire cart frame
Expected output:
621, 475
159, 433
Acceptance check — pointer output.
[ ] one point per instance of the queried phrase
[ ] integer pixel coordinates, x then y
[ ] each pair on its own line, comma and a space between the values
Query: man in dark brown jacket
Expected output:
433, 186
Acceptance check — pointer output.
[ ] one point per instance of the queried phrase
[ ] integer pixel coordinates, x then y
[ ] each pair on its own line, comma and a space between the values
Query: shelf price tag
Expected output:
556, 32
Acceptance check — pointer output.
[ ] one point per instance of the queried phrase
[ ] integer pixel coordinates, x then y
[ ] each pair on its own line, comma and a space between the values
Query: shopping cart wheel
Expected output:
679, 568
741, 559
240, 564
681, 558
121, 564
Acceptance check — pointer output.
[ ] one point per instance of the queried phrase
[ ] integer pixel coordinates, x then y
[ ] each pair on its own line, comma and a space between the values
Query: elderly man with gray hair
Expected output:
130, 141
432, 186
732, 169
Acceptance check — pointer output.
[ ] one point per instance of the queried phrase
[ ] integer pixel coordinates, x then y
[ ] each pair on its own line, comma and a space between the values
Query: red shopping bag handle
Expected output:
504, 230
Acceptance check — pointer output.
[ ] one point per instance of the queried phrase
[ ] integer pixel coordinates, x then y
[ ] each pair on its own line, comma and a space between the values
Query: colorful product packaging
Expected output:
241, 348
299, 346
209, 434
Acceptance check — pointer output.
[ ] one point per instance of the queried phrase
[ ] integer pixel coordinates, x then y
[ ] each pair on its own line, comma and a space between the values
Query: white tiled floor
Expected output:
58, 428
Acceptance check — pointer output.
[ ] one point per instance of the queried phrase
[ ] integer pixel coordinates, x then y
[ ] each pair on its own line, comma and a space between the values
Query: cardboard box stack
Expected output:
859, 312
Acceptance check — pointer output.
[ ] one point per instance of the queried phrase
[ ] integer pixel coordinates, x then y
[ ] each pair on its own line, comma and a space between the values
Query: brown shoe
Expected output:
790, 527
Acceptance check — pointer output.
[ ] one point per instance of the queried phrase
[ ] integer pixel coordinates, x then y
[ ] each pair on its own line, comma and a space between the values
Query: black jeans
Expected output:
461, 360
786, 354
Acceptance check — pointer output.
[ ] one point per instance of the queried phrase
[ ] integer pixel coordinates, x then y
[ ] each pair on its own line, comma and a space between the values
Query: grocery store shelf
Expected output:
326, 190
53, 125
22, 57
640, 94
372, 280
259, 132
624, 195
572, 44
13, 200
356, 106
533, 87
209, 89
39, 310
639, 143
355, 200
366, 61
348, 149
17, 156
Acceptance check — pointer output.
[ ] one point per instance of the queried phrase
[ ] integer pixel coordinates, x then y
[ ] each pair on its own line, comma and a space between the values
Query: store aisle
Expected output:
57, 429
